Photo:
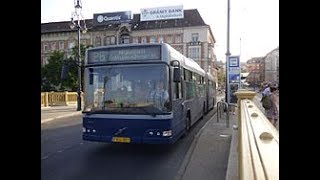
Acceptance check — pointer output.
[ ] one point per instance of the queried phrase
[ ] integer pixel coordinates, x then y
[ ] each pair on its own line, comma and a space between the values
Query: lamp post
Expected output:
77, 13
227, 56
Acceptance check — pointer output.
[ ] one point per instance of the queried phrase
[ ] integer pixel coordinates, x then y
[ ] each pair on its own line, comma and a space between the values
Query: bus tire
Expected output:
204, 110
187, 127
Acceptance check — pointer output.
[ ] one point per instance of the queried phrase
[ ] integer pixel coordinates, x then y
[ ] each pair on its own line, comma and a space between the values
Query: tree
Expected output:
51, 73
221, 77
74, 58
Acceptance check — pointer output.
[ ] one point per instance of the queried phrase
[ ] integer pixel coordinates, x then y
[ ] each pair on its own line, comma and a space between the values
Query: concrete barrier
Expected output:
59, 98
258, 147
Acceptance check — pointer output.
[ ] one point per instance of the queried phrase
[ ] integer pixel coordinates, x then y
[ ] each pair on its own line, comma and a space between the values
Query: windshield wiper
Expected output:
96, 112
146, 110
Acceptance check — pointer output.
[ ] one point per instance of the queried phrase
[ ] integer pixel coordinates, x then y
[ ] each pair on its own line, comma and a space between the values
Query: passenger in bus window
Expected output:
139, 93
122, 96
159, 96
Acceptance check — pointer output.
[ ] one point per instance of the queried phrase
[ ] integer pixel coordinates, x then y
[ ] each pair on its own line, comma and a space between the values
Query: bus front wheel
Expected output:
187, 127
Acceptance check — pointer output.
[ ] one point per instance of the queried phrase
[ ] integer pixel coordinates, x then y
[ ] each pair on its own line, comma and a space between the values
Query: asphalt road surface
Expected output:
65, 156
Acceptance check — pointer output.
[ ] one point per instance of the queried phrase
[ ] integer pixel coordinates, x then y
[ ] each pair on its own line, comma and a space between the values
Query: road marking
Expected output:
224, 135
60, 117
45, 157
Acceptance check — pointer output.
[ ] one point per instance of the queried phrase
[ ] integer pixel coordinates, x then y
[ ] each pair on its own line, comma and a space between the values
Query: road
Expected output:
65, 156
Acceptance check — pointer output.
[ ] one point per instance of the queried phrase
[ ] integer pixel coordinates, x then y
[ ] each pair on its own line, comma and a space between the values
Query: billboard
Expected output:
111, 18
151, 14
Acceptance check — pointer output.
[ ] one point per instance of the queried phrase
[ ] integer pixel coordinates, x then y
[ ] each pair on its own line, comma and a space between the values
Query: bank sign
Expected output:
111, 18
151, 14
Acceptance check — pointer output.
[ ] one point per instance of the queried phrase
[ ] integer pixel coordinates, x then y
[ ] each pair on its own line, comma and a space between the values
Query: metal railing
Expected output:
58, 98
258, 141
221, 107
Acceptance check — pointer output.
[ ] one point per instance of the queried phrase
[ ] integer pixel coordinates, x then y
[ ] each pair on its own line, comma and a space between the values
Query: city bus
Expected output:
118, 81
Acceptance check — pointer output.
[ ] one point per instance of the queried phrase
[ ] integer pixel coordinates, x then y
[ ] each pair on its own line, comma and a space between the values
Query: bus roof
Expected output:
187, 63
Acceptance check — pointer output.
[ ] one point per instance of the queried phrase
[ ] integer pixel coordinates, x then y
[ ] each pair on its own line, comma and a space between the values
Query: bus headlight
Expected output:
167, 133
83, 129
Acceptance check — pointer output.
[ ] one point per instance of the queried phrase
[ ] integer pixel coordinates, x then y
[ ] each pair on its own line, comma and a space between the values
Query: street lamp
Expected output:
77, 14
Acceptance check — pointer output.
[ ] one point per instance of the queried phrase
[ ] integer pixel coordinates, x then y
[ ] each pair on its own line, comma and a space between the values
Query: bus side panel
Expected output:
210, 101
197, 108
179, 117
189, 104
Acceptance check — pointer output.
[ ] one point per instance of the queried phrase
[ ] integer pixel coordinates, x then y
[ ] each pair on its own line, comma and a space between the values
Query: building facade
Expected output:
189, 35
264, 69
255, 68
272, 66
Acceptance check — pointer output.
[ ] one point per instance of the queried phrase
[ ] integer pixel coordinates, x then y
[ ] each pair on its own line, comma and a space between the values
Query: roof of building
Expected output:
255, 60
191, 18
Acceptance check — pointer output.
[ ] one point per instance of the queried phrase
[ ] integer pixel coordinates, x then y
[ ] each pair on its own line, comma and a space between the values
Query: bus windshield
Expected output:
128, 89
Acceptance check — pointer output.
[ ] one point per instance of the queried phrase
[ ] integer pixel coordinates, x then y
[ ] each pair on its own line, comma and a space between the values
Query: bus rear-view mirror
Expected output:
176, 74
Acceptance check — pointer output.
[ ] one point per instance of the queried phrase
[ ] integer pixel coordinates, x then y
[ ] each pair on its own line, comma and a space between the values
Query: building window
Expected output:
71, 45
178, 38
195, 37
194, 52
160, 40
152, 39
144, 39
169, 39
61, 45
98, 41
113, 40
135, 40
53, 46
45, 47
125, 39
107, 40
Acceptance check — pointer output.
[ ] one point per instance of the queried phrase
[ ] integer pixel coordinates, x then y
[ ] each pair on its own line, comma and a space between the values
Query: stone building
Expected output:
271, 61
189, 35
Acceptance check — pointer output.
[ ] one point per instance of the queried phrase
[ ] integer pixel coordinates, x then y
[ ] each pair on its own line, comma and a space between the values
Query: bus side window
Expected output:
177, 91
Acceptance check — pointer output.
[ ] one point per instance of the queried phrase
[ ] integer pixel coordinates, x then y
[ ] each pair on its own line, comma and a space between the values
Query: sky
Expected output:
254, 24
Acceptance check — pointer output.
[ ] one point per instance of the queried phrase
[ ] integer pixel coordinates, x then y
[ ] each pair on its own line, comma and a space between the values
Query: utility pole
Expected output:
227, 56
77, 14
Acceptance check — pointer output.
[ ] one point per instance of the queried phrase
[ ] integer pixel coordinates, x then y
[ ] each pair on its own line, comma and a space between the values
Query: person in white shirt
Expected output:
266, 91
159, 96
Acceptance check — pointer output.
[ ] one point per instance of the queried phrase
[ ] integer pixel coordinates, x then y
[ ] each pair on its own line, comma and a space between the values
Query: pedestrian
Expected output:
266, 90
273, 112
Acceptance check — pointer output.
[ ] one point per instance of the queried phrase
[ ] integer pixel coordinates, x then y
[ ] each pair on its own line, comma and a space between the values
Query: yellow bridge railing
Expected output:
59, 98
258, 141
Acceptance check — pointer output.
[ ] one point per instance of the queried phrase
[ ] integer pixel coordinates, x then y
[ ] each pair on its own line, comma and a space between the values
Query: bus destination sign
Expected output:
131, 53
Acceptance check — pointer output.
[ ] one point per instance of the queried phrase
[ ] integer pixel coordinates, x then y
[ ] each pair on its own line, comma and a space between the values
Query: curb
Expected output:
233, 162
188, 156
59, 117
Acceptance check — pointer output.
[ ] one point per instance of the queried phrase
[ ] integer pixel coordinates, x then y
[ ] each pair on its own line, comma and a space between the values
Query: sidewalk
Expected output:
206, 157
56, 112
202, 160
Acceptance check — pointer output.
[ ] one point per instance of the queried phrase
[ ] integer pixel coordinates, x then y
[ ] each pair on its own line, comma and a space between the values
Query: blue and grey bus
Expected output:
118, 81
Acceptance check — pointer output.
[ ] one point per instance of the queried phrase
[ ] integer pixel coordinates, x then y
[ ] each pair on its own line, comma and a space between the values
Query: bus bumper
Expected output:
133, 140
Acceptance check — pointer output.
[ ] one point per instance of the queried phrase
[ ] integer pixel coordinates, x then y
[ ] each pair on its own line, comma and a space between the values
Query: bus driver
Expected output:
159, 96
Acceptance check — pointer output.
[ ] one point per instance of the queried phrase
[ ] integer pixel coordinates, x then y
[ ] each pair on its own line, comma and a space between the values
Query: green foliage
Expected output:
221, 77
51, 73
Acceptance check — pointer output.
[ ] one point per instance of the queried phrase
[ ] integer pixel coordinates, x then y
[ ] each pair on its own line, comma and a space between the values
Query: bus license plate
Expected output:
121, 139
